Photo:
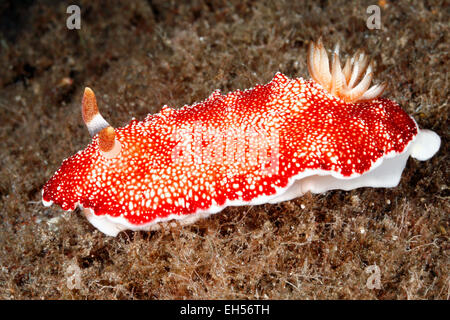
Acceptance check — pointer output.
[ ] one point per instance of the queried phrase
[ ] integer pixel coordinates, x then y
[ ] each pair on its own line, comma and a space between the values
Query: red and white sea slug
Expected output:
267, 144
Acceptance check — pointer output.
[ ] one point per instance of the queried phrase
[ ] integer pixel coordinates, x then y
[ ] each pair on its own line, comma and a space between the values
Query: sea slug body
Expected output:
267, 144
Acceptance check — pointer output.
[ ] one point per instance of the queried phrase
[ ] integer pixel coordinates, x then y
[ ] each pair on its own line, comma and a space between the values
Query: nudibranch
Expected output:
267, 144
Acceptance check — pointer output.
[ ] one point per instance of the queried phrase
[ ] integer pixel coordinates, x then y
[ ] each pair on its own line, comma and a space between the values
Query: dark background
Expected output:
138, 56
